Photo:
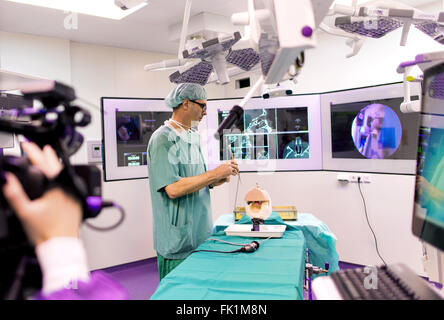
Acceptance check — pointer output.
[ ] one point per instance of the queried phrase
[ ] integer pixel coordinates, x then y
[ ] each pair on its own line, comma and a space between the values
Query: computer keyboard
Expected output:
394, 282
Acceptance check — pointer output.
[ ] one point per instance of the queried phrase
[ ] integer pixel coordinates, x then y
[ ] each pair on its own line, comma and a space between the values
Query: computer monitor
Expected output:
127, 126
364, 130
279, 134
428, 215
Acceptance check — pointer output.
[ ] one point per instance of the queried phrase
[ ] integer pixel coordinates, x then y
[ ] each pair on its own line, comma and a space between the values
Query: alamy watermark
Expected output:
371, 281
71, 21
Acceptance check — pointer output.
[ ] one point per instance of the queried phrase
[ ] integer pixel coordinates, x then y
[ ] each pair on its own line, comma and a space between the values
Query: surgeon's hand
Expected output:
226, 170
55, 214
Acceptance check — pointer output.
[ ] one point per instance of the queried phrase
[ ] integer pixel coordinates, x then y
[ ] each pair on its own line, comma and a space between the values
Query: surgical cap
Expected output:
190, 91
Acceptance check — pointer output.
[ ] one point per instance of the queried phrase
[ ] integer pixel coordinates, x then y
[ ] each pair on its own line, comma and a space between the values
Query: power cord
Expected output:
368, 222
246, 247
250, 247
108, 204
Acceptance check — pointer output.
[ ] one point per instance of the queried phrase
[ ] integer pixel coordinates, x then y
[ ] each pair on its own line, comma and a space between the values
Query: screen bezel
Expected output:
421, 227
112, 172
311, 101
385, 91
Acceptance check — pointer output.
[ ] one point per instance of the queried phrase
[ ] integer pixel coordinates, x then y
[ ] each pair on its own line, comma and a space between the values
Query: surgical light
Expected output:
99, 8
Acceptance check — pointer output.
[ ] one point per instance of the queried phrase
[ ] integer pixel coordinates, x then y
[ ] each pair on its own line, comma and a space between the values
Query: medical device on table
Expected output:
258, 209
287, 213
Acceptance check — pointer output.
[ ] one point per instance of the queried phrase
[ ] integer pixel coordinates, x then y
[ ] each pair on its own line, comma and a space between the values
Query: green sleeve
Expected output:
163, 162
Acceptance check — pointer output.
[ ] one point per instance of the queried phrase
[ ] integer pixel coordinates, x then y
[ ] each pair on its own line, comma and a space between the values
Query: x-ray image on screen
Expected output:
263, 120
430, 172
373, 130
272, 133
293, 146
249, 146
292, 120
134, 130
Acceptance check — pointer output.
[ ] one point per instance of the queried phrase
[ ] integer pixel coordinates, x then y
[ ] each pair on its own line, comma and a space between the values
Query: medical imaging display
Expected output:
430, 181
373, 130
429, 195
272, 133
133, 132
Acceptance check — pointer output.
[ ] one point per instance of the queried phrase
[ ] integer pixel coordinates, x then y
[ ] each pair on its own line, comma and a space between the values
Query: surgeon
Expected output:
179, 180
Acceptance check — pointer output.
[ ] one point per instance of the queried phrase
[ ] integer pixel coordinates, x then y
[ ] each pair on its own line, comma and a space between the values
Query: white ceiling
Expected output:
146, 29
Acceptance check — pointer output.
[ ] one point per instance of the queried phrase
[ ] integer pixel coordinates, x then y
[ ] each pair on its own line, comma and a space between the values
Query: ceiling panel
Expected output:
146, 29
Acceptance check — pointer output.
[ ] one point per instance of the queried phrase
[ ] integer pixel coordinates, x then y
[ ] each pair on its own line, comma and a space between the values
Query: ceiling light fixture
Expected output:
99, 8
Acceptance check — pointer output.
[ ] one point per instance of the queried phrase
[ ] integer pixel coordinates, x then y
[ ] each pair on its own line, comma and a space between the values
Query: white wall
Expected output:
37, 56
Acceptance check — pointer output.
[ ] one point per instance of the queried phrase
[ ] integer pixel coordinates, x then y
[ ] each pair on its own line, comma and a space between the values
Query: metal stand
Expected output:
310, 270
256, 222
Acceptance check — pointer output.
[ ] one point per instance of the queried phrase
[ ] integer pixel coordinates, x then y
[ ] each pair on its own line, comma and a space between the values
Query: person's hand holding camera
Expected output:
52, 224
55, 214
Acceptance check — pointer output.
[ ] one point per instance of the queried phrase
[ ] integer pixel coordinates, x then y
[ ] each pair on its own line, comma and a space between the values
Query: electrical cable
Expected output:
250, 247
237, 191
236, 244
246, 247
106, 204
216, 251
368, 222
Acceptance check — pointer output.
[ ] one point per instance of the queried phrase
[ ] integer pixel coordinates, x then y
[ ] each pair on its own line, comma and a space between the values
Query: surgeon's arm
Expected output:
189, 185
220, 182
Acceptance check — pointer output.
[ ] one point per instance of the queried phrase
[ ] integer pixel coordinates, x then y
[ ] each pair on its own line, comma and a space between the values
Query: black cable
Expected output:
250, 247
368, 222
216, 251
107, 204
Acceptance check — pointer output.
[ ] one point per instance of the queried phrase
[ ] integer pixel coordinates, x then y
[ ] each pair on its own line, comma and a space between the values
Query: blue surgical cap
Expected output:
190, 91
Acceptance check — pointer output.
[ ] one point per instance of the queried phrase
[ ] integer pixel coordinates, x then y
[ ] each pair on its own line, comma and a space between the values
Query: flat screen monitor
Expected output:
428, 216
127, 125
278, 134
364, 130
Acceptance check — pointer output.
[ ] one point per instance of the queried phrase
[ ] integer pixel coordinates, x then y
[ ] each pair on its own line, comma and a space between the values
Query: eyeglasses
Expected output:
202, 105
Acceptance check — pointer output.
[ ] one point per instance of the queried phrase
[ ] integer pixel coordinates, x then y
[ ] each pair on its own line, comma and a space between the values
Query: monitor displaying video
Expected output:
279, 134
374, 129
365, 130
133, 132
128, 124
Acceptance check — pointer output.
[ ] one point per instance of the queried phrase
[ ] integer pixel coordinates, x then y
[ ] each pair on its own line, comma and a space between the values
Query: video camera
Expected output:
55, 125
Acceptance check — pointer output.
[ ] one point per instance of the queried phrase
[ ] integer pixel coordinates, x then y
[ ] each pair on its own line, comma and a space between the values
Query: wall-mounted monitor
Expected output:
127, 125
364, 130
280, 134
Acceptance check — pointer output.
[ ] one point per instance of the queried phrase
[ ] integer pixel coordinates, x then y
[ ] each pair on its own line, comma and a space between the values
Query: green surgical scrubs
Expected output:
181, 224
